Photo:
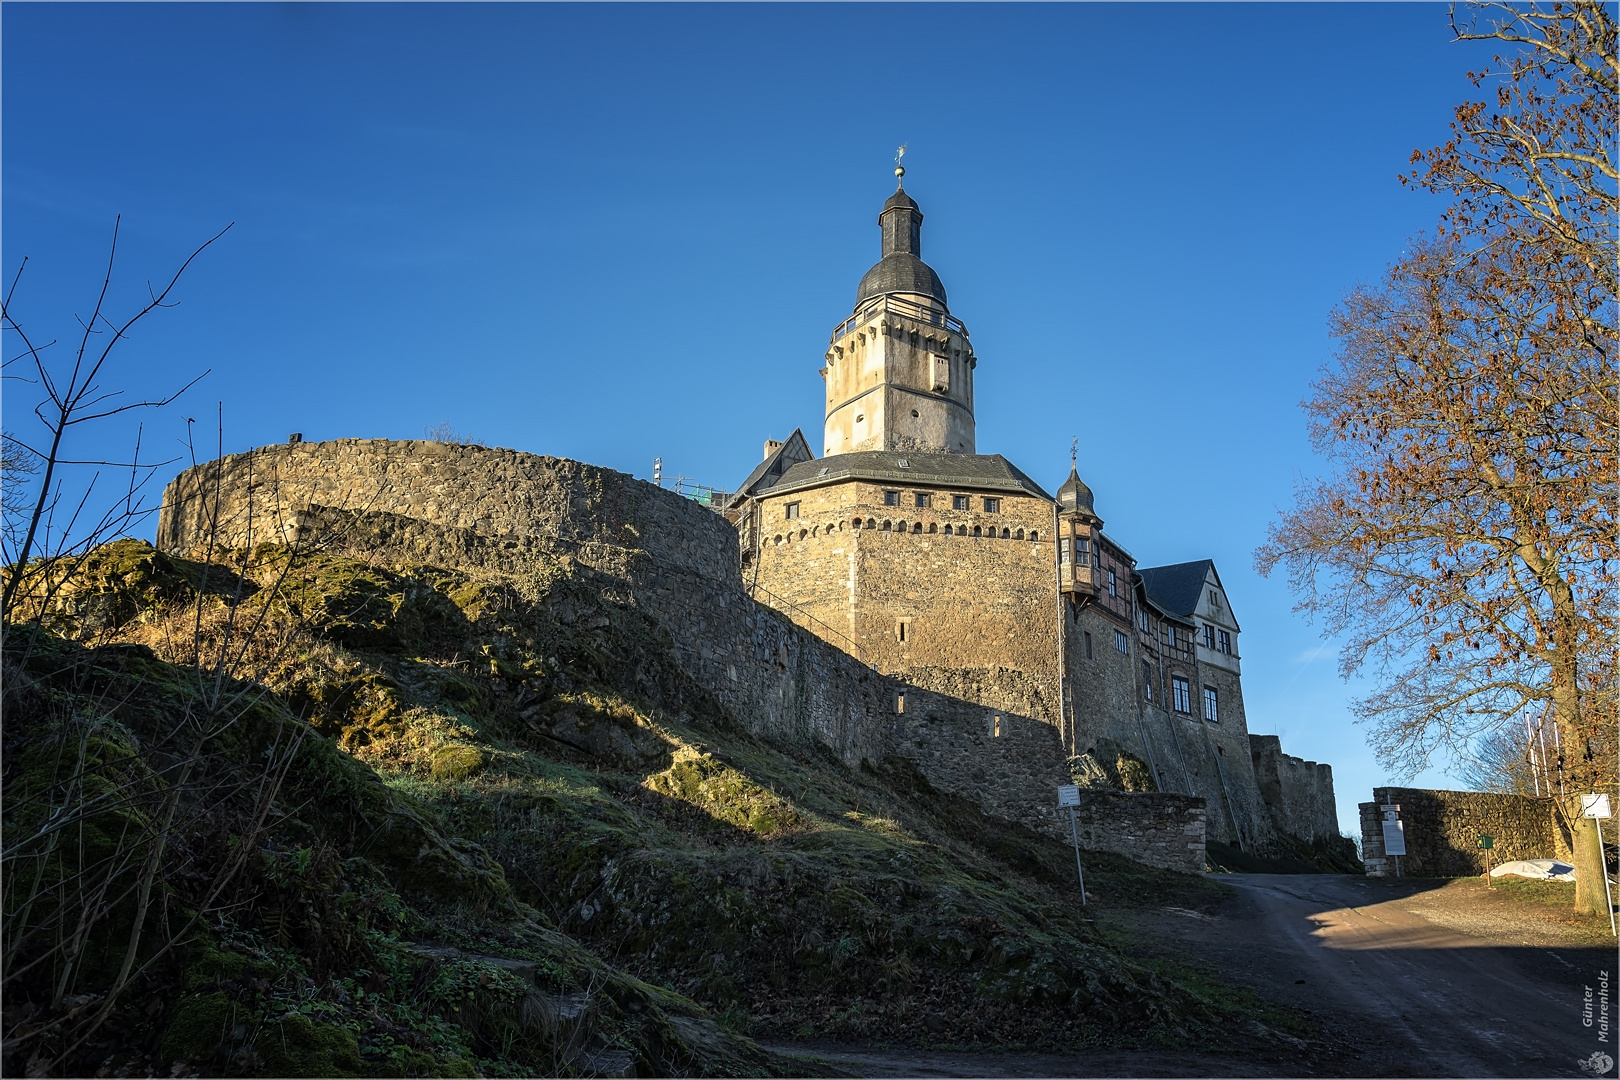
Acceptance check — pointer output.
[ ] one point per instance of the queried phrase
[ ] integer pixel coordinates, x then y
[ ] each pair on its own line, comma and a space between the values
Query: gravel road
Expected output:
1399, 989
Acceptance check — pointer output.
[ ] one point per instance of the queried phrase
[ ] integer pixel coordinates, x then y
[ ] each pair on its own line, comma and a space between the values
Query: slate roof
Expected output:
1177, 588
793, 449
967, 472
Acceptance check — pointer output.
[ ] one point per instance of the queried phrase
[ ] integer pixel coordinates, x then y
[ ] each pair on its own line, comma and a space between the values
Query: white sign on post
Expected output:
1595, 806
1069, 795
1394, 836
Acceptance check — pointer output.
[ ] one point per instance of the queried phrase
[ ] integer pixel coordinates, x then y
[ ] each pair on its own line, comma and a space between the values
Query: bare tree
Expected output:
53, 525
1466, 541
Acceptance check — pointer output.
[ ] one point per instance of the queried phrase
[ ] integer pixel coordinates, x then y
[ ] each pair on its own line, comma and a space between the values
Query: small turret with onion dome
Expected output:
1078, 530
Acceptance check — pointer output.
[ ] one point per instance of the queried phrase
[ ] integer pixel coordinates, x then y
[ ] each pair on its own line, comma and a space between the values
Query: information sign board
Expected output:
1394, 838
1596, 806
1069, 795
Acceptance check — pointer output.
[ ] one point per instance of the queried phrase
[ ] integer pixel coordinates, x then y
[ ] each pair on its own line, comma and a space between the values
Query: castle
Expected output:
902, 601
954, 571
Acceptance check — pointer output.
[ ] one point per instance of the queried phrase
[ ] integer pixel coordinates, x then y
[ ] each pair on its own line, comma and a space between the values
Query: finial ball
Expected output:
899, 172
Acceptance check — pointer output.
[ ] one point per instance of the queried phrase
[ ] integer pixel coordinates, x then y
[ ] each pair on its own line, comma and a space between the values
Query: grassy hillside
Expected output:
374, 820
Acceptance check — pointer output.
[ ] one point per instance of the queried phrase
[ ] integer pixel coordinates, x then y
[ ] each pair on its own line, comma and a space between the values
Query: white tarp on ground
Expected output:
1540, 869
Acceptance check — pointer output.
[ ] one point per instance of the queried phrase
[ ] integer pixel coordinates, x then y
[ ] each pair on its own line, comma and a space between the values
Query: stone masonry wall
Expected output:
1298, 794
1443, 830
910, 593
499, 511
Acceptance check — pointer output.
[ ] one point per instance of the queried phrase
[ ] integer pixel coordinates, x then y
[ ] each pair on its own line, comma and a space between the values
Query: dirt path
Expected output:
1399, 988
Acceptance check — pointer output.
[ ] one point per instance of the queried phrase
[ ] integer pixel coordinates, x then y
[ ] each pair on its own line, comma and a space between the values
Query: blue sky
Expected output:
615, 232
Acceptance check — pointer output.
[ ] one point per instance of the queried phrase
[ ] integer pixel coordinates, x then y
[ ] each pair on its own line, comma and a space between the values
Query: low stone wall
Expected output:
506, 512
1443, 829
1158, 829
1297, 793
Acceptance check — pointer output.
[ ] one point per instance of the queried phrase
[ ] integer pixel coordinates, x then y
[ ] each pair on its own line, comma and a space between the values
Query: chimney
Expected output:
295, 437
772, 446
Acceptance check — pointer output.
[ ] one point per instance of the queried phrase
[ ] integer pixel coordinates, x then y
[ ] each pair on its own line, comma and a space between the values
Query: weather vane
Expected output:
899, 167
1074, 452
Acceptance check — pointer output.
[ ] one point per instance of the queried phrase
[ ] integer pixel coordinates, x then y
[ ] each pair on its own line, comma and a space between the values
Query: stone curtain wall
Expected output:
1298, 794
1443, 830
499, 511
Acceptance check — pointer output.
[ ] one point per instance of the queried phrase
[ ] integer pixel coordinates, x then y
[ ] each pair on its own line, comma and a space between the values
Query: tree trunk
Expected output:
1590, 898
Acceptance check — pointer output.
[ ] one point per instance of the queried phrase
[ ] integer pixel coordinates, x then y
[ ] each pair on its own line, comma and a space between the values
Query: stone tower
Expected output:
900, 369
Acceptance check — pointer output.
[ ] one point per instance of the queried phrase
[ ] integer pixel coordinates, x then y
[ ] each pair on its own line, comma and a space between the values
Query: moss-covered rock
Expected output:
457, 762
297, 1046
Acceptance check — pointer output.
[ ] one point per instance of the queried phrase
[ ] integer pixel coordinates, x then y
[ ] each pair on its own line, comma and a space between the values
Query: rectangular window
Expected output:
1121, 642
1088, 644
1147, 681
1082, 549
1142, 619
900, 629
1209, 636
992, 506
924, 500
791, 511
1170, 633
1063, 552
1225, 640
1211, 713
900, 703
1111, 586
959, 502
891, 498
1181, 694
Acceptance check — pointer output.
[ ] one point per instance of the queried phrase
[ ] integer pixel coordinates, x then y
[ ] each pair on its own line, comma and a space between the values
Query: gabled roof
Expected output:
968, 472
779, 461
1177, 588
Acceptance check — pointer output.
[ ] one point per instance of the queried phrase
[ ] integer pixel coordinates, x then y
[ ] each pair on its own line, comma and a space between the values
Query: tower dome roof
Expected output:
900, 274
1074, 496
901, 269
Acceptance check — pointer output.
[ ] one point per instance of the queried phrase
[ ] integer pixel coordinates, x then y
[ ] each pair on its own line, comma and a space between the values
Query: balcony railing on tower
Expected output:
906, 309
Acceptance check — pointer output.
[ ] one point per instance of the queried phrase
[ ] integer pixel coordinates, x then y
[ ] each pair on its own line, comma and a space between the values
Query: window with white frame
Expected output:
1142, 619
1223, 641
1112, 589
1147, 681
1212, 711
1209, 636
1180, 694
1121, 642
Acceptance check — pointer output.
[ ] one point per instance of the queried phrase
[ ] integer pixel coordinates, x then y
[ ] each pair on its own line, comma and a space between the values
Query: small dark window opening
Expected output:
891, 498
791, 511
924, 501
1088, 644
1147, 681
992, 506
959, 502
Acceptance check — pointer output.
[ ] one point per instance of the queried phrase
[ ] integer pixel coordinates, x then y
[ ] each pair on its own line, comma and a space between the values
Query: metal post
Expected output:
1603, 868
1074, 831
